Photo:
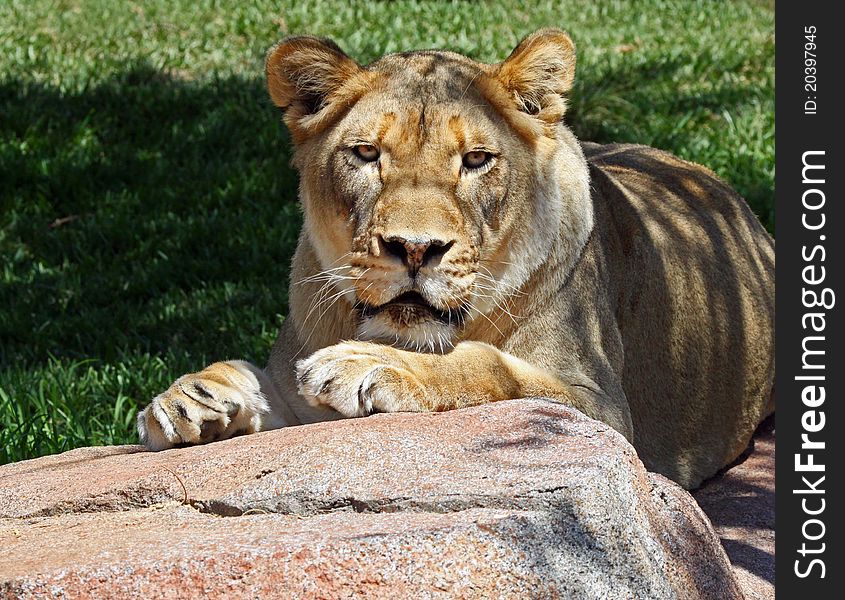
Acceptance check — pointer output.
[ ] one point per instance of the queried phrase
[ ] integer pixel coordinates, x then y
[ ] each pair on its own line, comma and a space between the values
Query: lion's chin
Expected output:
408, 329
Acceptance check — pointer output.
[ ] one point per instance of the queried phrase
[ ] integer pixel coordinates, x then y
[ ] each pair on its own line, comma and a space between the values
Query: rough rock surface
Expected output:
741, 506
511, 500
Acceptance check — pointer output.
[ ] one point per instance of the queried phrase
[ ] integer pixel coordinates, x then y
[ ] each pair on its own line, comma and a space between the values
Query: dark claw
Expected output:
361, 392
325, 386
201, 391
302, 377
232, 408
180, 408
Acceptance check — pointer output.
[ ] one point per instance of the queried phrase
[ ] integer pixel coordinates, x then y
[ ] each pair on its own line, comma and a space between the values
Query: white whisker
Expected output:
488, 319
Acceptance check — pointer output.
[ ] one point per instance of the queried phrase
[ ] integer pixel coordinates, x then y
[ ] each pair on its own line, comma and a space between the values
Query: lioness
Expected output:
460, 246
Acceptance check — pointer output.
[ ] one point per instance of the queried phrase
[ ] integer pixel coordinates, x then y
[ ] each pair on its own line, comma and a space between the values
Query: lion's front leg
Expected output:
358, 378
223, 400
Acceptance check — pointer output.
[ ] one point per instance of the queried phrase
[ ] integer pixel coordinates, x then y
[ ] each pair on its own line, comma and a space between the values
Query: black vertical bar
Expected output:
810, 65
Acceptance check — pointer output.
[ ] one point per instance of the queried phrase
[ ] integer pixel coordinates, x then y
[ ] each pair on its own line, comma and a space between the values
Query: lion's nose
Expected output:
414, 252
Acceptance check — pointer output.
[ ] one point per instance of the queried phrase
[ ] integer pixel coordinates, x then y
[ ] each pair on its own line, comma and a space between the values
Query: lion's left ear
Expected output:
539, 72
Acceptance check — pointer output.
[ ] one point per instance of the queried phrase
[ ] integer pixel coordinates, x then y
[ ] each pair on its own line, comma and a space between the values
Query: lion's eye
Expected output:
476, 159
366, 152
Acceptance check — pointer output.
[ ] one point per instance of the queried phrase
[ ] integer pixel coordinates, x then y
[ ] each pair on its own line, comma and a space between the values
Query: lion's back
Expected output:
694, 291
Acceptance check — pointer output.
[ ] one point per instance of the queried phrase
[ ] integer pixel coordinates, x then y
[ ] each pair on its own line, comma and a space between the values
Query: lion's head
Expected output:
433, 186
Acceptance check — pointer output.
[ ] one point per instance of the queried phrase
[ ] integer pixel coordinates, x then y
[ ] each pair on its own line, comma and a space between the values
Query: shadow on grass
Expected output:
146, 213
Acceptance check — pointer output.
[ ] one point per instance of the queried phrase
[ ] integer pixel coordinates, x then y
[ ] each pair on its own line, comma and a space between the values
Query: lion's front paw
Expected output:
359, 378
217, 403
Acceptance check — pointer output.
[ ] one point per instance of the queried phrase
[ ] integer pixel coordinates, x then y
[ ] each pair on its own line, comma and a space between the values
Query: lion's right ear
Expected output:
306, 77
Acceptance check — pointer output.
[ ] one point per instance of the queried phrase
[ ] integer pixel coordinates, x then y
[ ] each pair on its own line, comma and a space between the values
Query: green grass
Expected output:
147, 209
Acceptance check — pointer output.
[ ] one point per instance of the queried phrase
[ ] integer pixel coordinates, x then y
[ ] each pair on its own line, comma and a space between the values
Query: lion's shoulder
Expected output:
654, 182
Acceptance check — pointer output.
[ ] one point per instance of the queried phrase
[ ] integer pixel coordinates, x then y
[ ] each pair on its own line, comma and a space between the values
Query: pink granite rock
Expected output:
511, 500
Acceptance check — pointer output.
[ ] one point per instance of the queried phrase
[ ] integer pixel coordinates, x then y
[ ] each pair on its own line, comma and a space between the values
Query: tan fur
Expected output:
620, 280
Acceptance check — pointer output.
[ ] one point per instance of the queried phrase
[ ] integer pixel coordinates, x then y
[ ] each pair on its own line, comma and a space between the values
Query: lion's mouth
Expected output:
409, 308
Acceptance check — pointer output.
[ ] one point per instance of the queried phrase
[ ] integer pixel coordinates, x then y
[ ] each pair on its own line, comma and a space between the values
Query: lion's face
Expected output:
419, 177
